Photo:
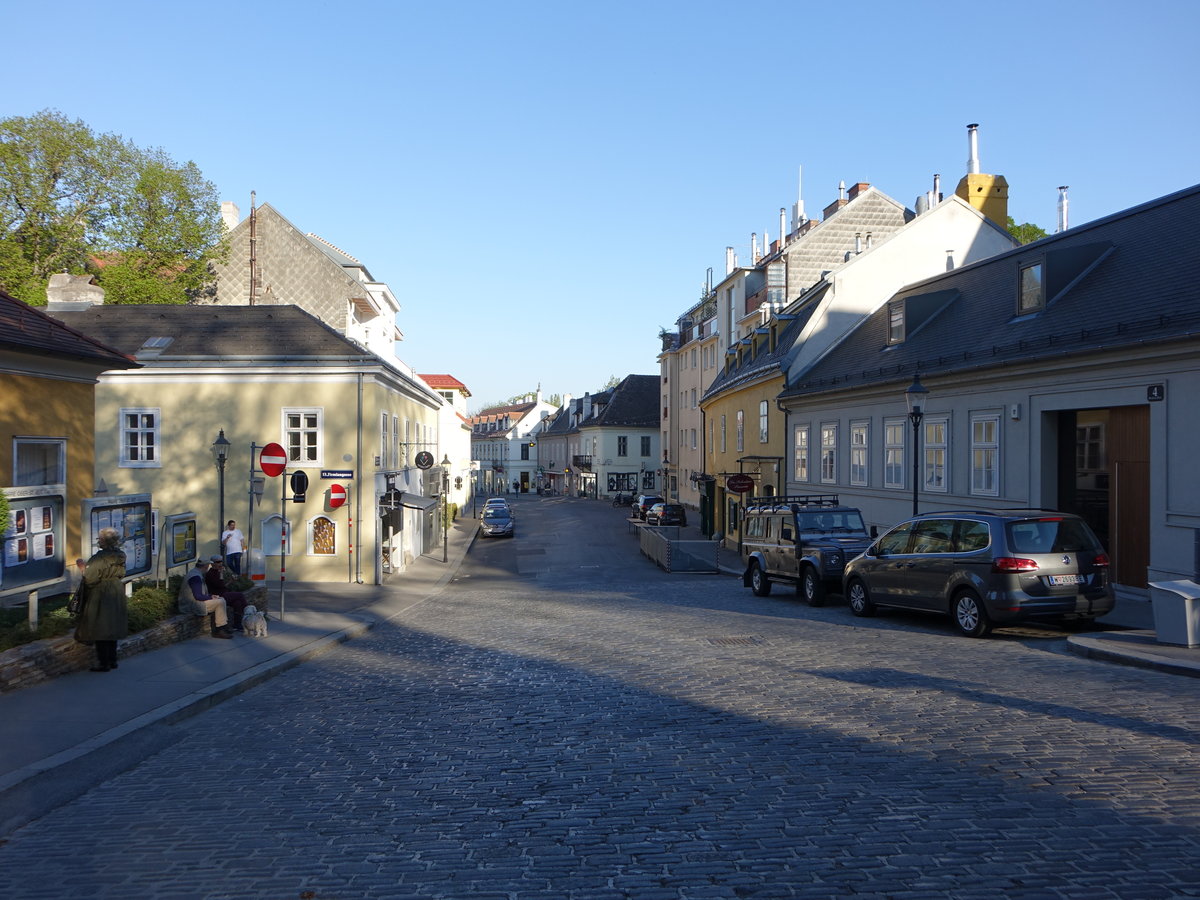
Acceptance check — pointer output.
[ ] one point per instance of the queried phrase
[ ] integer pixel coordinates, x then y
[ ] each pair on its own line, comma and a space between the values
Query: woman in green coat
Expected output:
104, 618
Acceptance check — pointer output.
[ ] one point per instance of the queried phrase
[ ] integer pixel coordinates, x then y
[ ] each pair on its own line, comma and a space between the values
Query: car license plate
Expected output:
1066, 579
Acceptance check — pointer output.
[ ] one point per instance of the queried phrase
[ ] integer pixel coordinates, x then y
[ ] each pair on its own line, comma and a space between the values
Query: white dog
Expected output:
254, 623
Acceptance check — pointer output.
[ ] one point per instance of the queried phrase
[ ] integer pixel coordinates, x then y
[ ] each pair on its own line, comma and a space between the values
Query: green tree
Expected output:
78, 202
3, 513
612, 382
1026, 232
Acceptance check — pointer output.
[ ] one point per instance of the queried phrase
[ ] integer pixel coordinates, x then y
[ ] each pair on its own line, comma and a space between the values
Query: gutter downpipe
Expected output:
358, 485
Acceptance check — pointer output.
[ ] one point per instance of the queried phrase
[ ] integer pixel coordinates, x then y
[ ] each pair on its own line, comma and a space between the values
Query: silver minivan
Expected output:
985, 568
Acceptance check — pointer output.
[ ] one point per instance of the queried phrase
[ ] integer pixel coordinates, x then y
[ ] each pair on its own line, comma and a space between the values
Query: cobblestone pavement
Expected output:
541, 729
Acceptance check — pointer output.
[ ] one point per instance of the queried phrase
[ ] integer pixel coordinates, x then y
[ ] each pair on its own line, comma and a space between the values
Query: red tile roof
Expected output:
445, 383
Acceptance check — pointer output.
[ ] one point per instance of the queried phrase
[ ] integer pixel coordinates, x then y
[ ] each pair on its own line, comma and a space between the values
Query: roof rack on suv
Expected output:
788, 501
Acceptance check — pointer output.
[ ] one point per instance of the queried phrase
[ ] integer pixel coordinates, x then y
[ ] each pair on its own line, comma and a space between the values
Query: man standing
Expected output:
233, 544
194, 598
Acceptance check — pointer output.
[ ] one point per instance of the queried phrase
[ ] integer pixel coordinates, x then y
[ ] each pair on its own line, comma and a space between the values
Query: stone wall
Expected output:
38, 661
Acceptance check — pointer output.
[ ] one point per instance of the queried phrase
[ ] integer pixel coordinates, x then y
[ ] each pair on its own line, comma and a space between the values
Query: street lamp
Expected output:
445, 506
220, 452
916, 396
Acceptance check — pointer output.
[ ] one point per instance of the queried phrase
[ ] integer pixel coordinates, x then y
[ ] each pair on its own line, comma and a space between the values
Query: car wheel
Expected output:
969, 615
859, 599
812, 588
759, 583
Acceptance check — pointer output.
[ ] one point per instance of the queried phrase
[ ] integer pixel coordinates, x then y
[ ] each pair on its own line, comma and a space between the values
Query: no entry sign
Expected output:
273, 460
337, 496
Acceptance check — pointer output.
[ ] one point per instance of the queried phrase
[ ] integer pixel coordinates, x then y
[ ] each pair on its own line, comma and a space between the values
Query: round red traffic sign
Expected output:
739, 484
337, 496
273, 460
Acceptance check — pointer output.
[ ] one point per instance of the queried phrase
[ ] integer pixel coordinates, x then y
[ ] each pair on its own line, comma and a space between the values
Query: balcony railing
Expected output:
582, 462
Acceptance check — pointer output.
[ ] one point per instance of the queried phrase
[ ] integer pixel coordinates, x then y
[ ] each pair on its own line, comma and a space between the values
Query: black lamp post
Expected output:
445, 506
220, 452
917, 396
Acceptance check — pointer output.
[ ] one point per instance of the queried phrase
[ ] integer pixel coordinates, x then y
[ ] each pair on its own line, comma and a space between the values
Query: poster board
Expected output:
32, 554
131, 516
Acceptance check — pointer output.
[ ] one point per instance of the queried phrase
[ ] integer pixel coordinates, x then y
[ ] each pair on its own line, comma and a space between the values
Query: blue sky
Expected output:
544, 185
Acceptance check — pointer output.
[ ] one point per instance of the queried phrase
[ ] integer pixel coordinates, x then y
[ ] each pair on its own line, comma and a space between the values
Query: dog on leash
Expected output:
254, 623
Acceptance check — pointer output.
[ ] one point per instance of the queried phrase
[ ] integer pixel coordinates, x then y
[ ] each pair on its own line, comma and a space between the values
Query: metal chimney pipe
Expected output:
1062, 207
782, 224
730, 265
937, 188
858, 242
973, 147
753, 247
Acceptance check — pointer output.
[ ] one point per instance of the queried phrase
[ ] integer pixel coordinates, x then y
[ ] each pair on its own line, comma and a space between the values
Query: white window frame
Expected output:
764, 422
985, 456
860, 447
693, 438
646, 446
741, 431
801, 453
154, 431
622, 445
24, 479
312, 536
724, 440
895, 442
829, 438
935, 450
303, 460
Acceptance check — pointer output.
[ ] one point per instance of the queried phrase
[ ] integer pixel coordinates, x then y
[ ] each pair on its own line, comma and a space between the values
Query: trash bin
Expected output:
1176, 612
258, 565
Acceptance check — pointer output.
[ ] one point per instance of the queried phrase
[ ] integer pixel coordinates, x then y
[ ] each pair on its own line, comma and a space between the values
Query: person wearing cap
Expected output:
195, 598
235, 601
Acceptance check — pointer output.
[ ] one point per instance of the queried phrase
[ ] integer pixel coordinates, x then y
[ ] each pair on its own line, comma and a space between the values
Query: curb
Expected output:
1127, 656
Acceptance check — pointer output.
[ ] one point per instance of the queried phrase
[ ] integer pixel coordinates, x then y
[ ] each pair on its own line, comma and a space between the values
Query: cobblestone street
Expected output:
543, 728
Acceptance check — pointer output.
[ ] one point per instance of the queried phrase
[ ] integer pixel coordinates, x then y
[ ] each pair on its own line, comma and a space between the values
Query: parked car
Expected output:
985, 568
494, 503
653, 512
803, 539
642, 504
497, 522
669, 514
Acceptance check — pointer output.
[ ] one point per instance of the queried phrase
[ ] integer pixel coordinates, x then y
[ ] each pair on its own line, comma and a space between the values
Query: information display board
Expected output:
33, 551
130, 515
180, 533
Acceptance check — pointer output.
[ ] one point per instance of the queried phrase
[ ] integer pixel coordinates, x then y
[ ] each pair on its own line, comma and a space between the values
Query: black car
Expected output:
642, 504
667, 514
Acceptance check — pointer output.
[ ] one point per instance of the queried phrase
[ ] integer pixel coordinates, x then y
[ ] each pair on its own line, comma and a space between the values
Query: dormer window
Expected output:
1033, 292
896, 322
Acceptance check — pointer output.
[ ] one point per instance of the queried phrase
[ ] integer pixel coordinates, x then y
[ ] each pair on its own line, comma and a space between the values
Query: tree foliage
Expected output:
79, 202
1026, 232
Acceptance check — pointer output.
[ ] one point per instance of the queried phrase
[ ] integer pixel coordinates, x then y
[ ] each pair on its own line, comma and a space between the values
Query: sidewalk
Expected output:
58, 735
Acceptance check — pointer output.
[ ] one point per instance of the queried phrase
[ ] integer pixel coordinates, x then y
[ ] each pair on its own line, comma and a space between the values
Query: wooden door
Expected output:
1128, 446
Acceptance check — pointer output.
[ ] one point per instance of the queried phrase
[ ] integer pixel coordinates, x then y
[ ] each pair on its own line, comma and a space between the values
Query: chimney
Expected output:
973, 149
857, 189
838, 203
857, 242
782, 224
798, 217
986, 193
67, 293
730, 261
1062, 207
937, 188
753, 247
230, 214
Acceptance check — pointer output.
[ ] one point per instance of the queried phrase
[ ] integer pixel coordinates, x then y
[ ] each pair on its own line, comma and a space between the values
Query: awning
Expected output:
397, 499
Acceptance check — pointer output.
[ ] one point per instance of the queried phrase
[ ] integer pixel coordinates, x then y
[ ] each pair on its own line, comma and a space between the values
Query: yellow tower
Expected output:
987, 193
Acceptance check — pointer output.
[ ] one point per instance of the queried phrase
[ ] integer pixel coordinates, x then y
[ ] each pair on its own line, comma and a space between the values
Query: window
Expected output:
829, 452
395, 442
763, 428
322, 537
140, 438
741, 431
896, 322
985, 455
524, 450
302, 435
936, 437
800, 469
1033, 295
723, 442
894, 431
858, 453
407, 441
693, 438
622, 445
645, 445
693, 398
39, 462
693, 357
383, 441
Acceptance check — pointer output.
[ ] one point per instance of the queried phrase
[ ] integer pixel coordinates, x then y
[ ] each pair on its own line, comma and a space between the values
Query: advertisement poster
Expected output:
32, 554
130, 516
183, 541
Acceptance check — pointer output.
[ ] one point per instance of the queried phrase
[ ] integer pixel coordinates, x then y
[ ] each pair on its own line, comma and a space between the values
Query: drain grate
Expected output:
735, 641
